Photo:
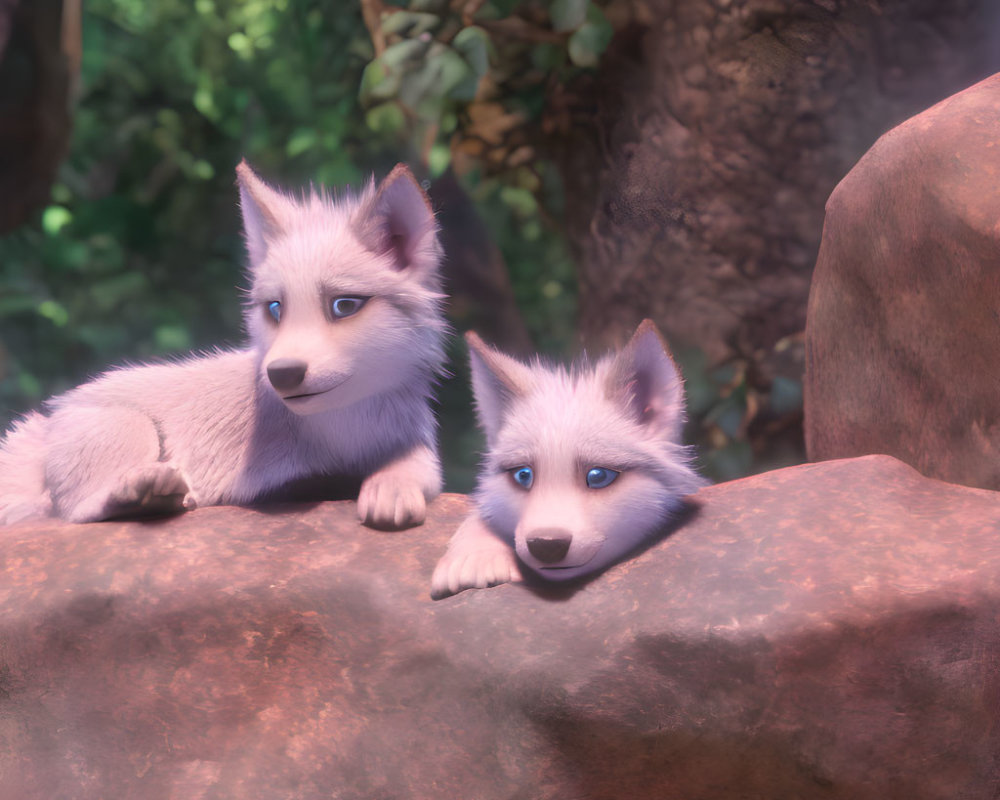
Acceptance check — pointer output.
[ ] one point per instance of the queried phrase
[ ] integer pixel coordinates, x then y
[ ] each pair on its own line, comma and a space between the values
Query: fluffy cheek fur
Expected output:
500, 504
627, 513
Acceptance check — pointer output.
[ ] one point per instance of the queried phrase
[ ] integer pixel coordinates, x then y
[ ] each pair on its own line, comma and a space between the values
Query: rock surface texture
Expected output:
824, 631
902, 345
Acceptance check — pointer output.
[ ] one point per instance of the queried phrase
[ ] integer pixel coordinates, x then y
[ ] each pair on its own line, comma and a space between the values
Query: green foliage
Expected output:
139, 253
438, 59
590, 39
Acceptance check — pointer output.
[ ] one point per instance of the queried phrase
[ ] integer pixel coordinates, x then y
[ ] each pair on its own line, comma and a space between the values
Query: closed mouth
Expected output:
314, 394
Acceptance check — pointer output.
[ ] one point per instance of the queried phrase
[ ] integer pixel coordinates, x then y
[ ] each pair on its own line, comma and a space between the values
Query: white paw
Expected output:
387, 501
478, 569
154, 490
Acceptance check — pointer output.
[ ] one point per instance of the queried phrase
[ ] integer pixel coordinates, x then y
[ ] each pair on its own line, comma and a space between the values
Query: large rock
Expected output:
828, 630
902, 335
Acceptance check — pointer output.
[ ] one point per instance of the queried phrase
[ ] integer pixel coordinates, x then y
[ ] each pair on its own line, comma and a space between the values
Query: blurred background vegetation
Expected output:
137, 252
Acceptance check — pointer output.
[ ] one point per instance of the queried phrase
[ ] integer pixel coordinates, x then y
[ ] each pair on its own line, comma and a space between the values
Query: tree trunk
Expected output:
39, 64
718, 130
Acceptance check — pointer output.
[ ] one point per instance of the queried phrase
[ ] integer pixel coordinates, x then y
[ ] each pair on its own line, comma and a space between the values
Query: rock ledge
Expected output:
828, 630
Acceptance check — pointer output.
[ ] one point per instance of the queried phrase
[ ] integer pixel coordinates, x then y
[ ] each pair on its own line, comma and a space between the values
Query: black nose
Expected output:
550, 546
286, 373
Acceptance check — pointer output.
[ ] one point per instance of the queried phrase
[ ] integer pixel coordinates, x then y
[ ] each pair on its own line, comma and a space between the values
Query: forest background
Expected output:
504, 109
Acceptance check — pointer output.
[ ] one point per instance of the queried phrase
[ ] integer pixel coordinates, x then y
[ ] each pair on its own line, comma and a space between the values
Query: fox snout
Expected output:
549, 545
286, 373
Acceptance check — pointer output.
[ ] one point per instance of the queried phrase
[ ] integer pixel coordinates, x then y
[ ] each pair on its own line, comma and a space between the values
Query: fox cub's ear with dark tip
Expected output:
646, 381
497, 380
265, 210
398, 220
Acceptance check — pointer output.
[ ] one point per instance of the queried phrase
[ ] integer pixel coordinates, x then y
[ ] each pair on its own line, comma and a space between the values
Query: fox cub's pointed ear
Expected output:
399, 221
265, 212
646, 381
497, 380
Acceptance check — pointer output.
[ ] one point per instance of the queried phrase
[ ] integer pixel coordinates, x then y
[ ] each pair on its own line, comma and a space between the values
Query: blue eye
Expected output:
347, 306
599, 477
274, 308
523, 476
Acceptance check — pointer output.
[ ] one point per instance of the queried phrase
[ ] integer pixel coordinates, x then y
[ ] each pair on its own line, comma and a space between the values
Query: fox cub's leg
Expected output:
105, 462
396, 496
475, 559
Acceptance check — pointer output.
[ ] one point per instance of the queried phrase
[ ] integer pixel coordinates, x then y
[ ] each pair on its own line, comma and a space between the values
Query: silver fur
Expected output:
624, 412
211, 429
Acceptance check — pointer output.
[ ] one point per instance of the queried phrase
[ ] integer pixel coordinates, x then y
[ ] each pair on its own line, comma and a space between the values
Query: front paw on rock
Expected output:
479, 569
389, 504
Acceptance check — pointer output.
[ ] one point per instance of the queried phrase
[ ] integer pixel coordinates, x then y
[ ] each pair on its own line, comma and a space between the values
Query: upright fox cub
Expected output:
581, 466
345, 337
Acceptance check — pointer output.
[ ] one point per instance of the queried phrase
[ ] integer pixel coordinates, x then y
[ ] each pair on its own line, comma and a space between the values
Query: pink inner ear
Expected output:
640, 393
397, 247
404, 216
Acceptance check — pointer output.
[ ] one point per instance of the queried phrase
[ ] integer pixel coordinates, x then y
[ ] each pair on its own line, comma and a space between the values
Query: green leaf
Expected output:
54, 219
53, 311
409, 23
439, 159
383, 78
521, 201
473, 44
386, 118
377, 83
302, 140
402, 54
202, 170
568, 15
240, 43
458, 79
590, 40
444, 73
205, 103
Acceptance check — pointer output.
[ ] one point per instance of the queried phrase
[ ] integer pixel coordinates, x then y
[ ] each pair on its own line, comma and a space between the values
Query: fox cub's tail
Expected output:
22, 471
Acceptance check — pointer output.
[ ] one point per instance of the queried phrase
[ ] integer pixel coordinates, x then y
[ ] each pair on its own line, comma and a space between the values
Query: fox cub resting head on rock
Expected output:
345, 337
582, 465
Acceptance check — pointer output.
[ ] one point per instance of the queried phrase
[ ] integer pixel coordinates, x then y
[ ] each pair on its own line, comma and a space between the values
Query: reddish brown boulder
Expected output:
902, 337
828, 630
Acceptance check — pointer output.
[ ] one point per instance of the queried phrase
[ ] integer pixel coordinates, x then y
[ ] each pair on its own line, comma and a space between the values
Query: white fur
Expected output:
212, 429
624, 413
